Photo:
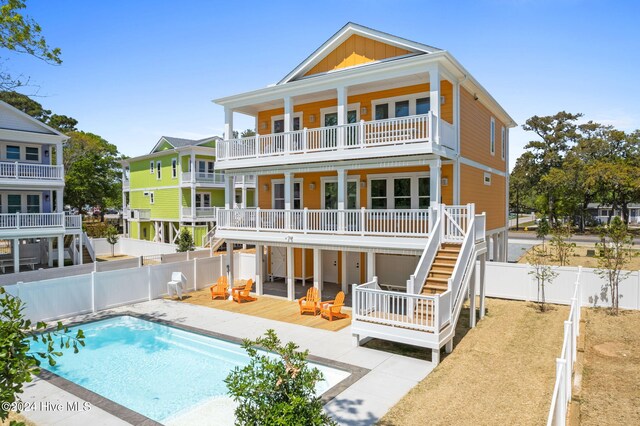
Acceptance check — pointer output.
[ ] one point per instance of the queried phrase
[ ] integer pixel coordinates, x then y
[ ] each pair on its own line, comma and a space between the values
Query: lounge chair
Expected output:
331, 309
177, 283
310, 302
220, 288
241, 293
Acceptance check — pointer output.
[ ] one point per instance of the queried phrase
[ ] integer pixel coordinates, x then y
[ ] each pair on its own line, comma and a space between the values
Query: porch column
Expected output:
291, 282
229, 192
371, 265
259, 268
193, 184
494, 246
342, 198
288, 198
59, 202
50, 252
230, 275
288, 122
228, 123
435, 189
434, 98
505, 246
244, 197
59, 153
16, 255
343, 278
342, 114
60, 252
472, 296
483, 260
317, 270
80, 254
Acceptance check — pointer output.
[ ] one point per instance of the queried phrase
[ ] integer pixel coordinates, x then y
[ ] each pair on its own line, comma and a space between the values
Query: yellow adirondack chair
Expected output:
331, 309
310, 302
220, 288
241, 293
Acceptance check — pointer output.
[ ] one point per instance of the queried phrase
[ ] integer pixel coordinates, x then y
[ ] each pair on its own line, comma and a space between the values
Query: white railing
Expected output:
481, 227
392, 131
140, 214
412, 311
208, 237
39, 220
216, 178
15, 170
348, 222
86, 242
245, 180
419, 277
455, 221
564, 365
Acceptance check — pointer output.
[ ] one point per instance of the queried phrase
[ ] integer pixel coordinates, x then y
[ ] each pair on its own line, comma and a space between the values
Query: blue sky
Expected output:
136, 70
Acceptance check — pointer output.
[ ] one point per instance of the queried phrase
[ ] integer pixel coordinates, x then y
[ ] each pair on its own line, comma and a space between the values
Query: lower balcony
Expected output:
205, 213
397, 229
21, 173
22, 225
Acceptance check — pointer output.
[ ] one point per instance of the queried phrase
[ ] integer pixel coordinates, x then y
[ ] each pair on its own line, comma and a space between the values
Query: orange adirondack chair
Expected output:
331, 309
241, 293
310, 302
220, 288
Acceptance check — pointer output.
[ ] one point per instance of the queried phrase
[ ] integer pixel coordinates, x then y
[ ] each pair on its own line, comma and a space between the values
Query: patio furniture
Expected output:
310, 302
241, 293
220, 288
332, 309
177, 283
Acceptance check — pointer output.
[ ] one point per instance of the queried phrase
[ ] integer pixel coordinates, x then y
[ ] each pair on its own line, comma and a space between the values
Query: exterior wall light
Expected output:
312, 118
312, 186
265, 187
363, 111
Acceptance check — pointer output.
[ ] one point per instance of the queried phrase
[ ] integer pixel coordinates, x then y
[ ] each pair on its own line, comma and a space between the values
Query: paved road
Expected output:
529, 237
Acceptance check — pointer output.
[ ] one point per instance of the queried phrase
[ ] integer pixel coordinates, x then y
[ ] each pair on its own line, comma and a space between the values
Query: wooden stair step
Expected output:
444, 265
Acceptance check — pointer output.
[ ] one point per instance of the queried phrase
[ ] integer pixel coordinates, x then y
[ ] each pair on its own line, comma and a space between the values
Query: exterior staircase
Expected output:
441, 269
86, 256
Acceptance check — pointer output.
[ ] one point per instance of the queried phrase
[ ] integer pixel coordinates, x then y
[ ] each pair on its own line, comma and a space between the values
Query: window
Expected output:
210, 167
158, 170
33, 203
382, 111
174, 168
278, 125
493, 136
32, 153
151, 199
151, 169
278, 196
487, 178
14, 203
205, 167
424, 193
203, 199
13, 152
423, 106
402, 193
402, 108
331, 195
379, 194
503, 140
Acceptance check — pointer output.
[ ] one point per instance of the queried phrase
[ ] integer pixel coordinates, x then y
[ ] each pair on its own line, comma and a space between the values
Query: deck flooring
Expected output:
269, 307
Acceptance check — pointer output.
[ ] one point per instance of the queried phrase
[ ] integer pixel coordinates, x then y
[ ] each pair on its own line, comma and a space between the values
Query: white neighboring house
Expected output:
31, 190
601, 213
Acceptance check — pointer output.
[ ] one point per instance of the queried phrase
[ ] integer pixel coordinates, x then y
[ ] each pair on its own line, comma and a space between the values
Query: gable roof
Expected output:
181, 142
411, 47
11, 118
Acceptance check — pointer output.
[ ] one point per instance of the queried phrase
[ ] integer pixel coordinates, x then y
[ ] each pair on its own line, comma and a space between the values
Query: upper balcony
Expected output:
417, 134
15, 173
21, 225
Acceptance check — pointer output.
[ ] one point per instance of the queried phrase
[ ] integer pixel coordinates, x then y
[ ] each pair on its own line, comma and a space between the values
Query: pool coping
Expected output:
133, 417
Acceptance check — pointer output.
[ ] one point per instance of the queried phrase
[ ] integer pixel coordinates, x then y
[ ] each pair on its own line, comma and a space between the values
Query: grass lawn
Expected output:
611, 377
580, 258
501, 372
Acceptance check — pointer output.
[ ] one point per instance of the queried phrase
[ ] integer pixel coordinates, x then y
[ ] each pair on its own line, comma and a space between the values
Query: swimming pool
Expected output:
161, 372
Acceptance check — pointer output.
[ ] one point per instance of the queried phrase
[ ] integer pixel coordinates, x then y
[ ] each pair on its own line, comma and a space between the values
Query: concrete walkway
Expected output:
363, 403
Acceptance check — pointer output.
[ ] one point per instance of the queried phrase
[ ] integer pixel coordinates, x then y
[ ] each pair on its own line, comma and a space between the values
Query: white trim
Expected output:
154, 188
326, 179
174, 168
334, 109
202, 193
295, 115
390, 177
492, 136
468, 162
281, 181
503, 141
486, 178
26, 116
392, 100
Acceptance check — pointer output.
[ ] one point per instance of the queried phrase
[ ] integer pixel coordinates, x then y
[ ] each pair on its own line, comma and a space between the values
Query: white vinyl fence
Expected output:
513, 281
131, 247
63, 297
564, 365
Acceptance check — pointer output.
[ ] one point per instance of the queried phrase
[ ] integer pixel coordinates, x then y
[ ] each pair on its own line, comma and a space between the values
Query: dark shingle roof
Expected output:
181, 142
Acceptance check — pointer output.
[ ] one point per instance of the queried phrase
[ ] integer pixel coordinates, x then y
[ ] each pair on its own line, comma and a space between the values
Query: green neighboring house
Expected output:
176, 186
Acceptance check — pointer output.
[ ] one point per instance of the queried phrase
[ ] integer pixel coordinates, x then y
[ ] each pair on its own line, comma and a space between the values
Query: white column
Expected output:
288, 114
228, 123
59, 202
244, 197
342, 114
317, 270
288, 198
434, 97
342, 198
505, 246
229, 192
230, 275
50, 252
59, 151
60, 252
16, 255
472, 296
80, 254
435, 178
494, 246
343, 278
483, 260
371, 265
291, 282
259, 269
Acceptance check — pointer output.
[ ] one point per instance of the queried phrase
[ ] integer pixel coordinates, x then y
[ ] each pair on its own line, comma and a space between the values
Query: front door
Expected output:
330, 266
330, 120
278, 262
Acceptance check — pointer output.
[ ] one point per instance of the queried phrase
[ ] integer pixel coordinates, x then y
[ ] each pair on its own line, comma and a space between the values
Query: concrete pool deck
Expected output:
390, 377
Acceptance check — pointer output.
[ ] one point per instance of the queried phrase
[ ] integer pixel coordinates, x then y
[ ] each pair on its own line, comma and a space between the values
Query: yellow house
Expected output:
375, 158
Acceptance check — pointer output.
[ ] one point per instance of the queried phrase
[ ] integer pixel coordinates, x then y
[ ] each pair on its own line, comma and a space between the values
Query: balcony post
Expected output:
434, 181
363, 215
317, 270
17, 220
288, 122
371, 266
16, 170
361, 138
304, 139
257, 220
16, 255
342, 115
434, 97
259, 269
305, 222
342, 199
257, 144
228, 126
229, 192
59, 153
288, 199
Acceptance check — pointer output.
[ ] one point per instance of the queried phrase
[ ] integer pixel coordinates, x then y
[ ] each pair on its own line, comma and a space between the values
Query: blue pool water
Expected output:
154, 369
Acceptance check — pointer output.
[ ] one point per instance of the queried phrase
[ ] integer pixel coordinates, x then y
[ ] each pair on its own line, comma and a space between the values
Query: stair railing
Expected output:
208, 236
419, 277
87, 243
